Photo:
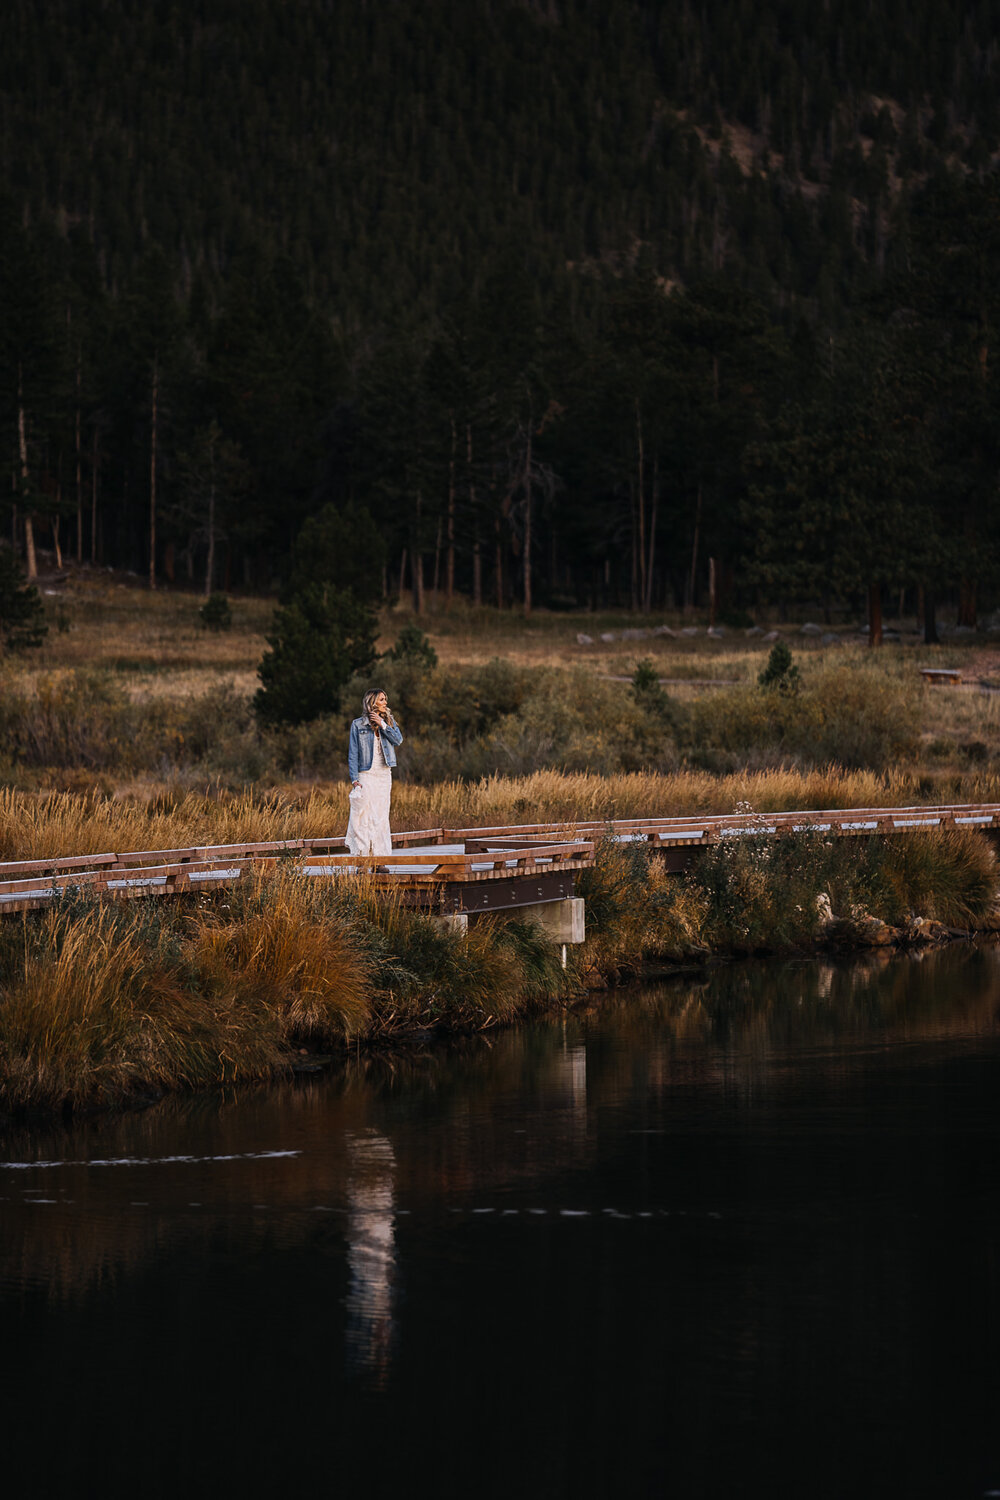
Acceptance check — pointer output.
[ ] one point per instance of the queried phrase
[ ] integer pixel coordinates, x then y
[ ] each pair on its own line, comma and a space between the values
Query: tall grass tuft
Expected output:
635, 910
761, 894
101, 1002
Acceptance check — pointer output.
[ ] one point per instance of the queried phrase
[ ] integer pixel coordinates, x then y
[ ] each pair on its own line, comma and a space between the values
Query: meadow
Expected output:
131, 728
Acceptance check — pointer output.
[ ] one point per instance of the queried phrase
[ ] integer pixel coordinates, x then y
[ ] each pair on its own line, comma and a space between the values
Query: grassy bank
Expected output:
105, 1004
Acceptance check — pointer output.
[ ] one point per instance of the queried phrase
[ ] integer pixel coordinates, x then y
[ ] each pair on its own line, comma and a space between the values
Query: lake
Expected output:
736, 1232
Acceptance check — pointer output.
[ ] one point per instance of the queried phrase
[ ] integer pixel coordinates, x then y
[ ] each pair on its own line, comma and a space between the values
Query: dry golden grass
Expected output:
39, 825
102, 1002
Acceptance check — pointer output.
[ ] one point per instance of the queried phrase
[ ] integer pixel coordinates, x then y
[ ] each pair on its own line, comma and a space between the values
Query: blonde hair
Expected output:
368, 704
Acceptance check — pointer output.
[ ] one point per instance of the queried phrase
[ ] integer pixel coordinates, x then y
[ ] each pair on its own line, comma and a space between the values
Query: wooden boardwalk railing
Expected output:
459, 869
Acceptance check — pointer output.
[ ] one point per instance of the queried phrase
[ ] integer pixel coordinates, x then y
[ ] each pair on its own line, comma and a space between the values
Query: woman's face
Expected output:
381, 703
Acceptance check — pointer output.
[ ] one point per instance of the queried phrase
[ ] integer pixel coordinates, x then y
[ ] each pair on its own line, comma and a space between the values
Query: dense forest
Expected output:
592, 302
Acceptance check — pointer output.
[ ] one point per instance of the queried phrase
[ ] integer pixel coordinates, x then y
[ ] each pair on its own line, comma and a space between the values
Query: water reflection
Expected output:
370, 1255
751, 1212
461, 1126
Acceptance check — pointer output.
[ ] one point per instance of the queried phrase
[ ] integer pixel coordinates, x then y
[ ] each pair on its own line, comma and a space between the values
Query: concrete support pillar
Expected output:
562, 921
457, 922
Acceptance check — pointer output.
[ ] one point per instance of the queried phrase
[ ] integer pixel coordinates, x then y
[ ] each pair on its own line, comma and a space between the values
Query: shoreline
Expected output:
104, 1005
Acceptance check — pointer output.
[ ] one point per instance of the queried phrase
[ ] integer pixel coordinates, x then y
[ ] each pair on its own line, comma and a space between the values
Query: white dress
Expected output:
368, 827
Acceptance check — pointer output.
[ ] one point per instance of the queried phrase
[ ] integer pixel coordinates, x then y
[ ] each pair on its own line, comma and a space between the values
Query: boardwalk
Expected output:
460, 871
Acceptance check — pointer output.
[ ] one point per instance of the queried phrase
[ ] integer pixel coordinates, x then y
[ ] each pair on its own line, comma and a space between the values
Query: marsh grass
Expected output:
761, 894
100, 1004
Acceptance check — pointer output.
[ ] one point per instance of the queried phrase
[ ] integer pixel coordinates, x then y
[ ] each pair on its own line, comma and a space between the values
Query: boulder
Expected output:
690, 630
662, 630
924, 930
634, 635
584, 640
772, 635
753, 630
810, 629
716, 632
829, 639
608, 635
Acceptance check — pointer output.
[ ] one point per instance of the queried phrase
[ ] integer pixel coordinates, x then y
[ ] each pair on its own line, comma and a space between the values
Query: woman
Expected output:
371, 754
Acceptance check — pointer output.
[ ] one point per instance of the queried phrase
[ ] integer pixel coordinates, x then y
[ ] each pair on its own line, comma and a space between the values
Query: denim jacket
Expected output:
361, 748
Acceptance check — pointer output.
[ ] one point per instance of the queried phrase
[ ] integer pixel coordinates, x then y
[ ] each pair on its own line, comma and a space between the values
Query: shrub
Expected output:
412, 646
22, 617
215, 613
849, 715
779, 671
318, 641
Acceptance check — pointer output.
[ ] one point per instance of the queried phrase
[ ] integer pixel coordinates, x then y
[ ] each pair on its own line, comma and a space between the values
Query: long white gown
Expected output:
368, 826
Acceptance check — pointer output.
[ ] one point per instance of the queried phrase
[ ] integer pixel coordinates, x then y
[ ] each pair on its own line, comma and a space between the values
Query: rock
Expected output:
924, 930
752, 630
860, 931
875, 933
963, 630
829, 639
772, 635
634, 635
662, 630
810, 629
716, 632
584, 640
690, 630
824, 910
891, 635
608, 635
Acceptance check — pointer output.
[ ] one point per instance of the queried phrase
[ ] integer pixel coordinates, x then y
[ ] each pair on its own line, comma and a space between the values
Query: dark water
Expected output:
720, 1237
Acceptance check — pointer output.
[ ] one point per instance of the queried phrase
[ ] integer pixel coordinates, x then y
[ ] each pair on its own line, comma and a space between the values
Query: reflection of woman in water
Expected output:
371, 754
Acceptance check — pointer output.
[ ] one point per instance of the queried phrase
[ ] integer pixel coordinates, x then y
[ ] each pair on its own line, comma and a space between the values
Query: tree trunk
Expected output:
402, 573
210, 560
634, 532
437, 563
874, 614
55, 534
477, 573
449, 567
527, 523
693, 575
498, 580
931, 637
967, 602
79, 469
93, 503
22, 443
648, 601
712, 579
152, 478
417, 567
641, 559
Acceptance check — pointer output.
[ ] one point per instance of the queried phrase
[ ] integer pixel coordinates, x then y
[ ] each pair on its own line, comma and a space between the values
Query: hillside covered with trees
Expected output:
571, 295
